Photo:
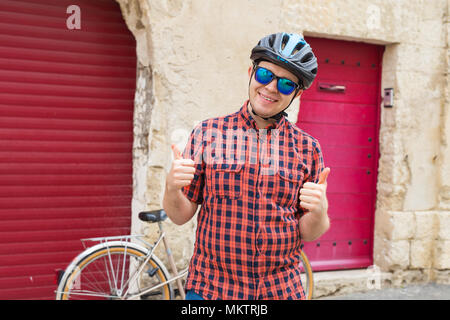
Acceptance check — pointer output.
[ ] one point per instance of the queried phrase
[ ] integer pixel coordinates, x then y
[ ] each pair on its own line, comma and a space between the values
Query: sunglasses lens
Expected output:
263, 76
285, 86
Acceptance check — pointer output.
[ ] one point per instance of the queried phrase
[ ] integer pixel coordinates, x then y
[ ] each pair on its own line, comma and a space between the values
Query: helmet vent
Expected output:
307, 57
284, 41
298, 47
272, 40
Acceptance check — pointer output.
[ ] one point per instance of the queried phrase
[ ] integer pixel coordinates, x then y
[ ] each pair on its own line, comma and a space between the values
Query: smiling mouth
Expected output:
266, 97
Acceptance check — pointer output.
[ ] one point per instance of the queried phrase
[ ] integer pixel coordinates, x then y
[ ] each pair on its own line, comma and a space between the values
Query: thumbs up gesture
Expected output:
181, 172
313, 195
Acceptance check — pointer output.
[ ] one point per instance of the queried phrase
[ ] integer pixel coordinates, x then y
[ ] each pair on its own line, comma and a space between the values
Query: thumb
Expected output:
323, 176
176, 152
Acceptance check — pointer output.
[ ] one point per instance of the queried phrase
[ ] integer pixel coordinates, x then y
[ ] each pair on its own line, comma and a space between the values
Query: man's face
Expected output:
266, 100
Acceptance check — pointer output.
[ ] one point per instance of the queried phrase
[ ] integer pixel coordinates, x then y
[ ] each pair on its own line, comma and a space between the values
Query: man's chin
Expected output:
264, 113
263, 110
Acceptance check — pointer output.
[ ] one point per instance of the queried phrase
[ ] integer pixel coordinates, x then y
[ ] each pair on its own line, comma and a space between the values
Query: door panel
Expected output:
341, 110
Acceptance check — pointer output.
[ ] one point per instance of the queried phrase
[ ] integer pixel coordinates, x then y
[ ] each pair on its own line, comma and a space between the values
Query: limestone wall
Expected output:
193, 59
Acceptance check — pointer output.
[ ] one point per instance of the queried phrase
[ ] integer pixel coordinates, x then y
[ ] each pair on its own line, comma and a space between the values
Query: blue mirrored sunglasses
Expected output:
265, 76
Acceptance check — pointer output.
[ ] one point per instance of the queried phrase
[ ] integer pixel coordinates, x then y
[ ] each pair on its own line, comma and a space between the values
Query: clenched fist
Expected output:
181, 173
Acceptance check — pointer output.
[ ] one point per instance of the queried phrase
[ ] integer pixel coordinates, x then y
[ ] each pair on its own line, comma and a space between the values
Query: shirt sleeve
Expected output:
194, 151
317, 164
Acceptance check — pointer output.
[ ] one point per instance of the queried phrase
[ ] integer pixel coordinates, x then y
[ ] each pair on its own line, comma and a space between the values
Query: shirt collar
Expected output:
251, 123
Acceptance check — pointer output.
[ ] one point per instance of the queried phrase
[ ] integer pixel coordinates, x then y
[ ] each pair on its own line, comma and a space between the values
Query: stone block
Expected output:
390, 169
426, 225
421, 21
156, 178
443, 225
389, 196
421, 254
403, 277
392, 255
399, 254
419, 58
395, 225
442, 254
442, 277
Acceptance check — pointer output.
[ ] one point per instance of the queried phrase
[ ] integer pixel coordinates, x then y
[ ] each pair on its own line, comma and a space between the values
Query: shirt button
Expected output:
257, 196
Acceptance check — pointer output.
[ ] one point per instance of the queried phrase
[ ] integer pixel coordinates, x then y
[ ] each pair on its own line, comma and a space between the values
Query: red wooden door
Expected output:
66, 110
342, 110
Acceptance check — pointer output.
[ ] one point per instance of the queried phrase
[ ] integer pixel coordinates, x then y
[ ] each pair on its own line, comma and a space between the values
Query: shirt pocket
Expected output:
287, 186
225, 180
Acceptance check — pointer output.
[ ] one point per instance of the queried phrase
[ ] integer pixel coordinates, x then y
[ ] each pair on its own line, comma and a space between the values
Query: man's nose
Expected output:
272, 85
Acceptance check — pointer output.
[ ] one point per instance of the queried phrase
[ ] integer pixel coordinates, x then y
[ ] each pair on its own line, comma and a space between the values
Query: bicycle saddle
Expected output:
153, 216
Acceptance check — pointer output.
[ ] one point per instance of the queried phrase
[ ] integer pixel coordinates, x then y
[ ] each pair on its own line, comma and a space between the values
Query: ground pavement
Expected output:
429, 291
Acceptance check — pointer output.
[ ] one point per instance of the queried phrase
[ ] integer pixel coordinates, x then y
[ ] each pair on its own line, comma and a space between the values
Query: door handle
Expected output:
331, 87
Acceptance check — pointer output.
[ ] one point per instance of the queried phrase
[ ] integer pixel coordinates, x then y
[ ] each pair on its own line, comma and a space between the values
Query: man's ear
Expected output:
299, 93
250, 69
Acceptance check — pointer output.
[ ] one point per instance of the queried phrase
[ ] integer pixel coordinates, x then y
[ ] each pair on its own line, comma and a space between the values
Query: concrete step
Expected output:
332, 283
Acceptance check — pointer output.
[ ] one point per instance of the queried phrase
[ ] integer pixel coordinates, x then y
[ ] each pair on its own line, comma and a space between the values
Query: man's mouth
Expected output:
267, 98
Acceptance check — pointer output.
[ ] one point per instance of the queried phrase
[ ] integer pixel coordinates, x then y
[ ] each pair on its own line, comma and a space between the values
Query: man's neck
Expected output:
260, 123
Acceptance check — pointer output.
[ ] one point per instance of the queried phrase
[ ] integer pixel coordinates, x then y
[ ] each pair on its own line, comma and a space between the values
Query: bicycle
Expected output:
118, 268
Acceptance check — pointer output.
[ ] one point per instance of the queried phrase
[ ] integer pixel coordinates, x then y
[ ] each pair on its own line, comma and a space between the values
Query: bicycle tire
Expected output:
307, 276
90, 276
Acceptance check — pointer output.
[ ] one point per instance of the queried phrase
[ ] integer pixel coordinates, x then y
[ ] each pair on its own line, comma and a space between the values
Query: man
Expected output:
260, 182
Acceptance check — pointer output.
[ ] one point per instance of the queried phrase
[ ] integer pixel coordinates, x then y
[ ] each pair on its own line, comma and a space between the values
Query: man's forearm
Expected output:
313, 225
179, 209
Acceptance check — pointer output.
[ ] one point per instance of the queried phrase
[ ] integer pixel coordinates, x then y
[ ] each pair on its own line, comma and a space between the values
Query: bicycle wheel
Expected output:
105, 272
306, 275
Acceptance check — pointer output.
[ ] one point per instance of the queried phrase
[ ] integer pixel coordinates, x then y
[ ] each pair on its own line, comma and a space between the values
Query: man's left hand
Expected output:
313, 195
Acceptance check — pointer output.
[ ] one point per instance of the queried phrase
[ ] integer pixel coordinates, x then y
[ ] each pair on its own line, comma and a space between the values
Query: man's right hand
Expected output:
178, 207
181, 173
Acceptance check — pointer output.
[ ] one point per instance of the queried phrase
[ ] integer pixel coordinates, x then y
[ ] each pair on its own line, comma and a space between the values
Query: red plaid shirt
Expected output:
247, 182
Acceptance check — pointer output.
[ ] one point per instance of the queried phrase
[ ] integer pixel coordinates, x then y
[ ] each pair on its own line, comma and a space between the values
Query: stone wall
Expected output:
193, 57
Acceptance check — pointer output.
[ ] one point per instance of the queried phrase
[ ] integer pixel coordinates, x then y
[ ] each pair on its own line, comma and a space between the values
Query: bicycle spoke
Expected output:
112, 271
123, 269
93, 276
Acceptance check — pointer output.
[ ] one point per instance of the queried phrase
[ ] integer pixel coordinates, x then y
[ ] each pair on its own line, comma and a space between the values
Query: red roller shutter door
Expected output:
342, 111
66, 110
